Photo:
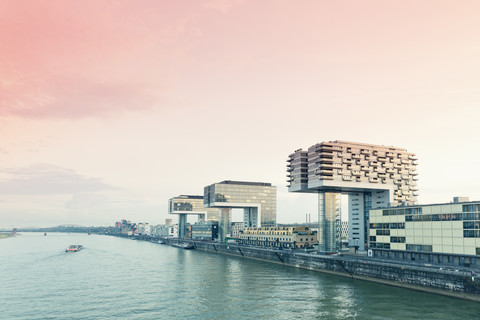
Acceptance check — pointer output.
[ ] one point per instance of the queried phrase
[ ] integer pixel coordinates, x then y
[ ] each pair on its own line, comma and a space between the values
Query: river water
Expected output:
117, 278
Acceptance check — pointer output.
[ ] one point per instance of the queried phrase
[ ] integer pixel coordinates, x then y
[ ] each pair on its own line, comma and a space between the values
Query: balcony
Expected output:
356, 156
356, 173
347, 178
326, 178
382, 159
374, 163
373, 180
327, 154
331, 166
326, 160
326, 172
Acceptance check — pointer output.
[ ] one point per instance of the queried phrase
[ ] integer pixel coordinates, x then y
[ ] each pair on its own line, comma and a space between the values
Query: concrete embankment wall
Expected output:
450, 283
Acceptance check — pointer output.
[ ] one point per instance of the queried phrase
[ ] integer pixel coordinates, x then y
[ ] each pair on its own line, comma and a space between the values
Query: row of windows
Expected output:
394, 225
380, 245
471, 207
444, 217
401, 212
383, 232
417, 211
471, 233
471, 225
397, 239
419, 247
379, 226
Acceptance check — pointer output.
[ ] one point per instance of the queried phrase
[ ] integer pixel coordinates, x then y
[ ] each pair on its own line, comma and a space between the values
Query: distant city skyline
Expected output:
108, 109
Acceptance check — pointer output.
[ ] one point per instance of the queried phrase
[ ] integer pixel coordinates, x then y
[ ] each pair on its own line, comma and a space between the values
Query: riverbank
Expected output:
4, 236
432, 279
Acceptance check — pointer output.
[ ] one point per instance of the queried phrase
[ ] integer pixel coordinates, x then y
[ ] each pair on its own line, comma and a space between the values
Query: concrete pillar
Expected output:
182, 225
250, 217
201, 218
329, 221
224, 217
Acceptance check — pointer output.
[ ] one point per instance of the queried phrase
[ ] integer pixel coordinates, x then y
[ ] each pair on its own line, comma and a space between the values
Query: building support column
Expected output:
182, 225
201, 218
329, 221
224, 217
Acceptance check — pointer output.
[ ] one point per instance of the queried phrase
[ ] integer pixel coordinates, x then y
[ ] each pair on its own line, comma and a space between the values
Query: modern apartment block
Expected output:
280, 237
258, 200
450, 228
373, 176
190, 205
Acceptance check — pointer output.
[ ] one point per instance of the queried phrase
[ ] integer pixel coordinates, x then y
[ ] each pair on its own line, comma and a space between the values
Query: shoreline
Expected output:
414, 277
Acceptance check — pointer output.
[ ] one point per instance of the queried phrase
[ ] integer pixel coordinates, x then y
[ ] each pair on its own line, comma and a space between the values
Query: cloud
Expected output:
84, 201
86, 59
78, 98
45, 179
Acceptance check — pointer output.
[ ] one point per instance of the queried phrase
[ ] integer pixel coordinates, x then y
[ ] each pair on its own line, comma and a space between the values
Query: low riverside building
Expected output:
205, 230
236, 228
449, 228
281, 237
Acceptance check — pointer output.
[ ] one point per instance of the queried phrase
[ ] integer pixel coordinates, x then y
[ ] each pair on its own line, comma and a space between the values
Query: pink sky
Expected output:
109, 108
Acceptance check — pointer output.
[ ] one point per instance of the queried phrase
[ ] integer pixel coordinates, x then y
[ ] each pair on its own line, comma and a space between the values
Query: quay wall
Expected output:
445, 282
457, 284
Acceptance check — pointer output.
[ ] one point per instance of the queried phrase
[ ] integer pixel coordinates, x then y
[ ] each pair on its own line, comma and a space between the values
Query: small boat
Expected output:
161, 242
74, 248
183, 245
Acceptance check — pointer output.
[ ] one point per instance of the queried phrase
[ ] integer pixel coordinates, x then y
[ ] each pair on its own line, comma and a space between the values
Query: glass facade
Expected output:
238, 194
187, 204
451, 228
205, 231
329, 218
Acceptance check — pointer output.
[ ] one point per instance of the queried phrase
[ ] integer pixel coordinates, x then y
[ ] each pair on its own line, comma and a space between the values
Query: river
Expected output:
117, 278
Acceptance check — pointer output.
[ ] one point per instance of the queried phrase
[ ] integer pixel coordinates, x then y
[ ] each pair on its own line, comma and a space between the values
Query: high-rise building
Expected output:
373, 176
190, 205
257, 199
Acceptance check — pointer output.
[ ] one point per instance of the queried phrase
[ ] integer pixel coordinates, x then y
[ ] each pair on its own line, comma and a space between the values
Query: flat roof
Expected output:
189, 196
246, 183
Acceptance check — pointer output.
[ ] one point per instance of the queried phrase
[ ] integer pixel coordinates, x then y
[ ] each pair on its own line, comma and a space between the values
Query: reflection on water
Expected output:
116, 277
